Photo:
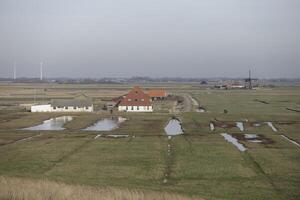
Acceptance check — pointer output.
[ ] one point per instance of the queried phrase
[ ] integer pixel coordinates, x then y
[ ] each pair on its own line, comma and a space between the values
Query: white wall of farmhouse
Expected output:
49, 108
136, 108
41, 108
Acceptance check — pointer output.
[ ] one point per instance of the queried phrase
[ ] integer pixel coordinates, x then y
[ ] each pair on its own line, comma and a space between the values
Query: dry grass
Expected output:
24, 189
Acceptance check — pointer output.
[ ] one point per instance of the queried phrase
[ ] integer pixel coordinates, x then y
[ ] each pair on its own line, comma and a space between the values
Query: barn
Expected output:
135, 101
78, 104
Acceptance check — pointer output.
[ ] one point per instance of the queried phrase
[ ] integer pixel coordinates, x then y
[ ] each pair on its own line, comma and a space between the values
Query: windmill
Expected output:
15, 71
41, 71
248, 81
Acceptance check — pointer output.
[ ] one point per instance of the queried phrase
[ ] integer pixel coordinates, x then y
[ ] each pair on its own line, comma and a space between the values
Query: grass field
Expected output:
201, 163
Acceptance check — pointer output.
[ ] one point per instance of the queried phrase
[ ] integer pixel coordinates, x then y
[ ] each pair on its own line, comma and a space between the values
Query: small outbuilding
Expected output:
158, 94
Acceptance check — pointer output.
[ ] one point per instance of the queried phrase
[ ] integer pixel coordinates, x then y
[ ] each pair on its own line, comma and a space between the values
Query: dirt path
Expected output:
22, 139
67, 155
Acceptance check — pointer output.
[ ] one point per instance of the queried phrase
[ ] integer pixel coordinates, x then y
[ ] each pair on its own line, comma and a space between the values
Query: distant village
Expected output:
221, 81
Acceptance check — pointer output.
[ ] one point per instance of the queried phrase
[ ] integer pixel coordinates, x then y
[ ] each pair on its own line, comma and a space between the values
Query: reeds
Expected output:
24, 189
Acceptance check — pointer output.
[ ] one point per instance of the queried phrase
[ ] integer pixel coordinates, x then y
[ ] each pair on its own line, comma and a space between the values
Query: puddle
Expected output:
234, 141
53, 124
254, 138
106, 124
97, 136
173, 127
111, 136
201, 109
290, 140
212, 126
256, 124
240, 125
250, 136
255, 141
272, 126
195, 102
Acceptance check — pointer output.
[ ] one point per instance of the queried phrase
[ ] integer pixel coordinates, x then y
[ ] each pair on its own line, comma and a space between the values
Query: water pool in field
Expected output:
107, 124
173, 127
53, 124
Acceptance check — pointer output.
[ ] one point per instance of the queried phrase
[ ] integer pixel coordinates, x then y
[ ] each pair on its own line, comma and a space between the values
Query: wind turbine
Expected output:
41, 71
15, 70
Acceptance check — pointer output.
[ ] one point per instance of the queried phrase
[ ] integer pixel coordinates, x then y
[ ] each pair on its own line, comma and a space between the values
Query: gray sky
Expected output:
187, 38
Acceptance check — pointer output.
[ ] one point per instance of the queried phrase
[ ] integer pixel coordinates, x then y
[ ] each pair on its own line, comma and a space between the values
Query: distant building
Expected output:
236, 85
157, 94
135, 101
203, 83
78, 104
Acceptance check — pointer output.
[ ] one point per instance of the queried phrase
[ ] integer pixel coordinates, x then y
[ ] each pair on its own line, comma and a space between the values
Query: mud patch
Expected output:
220, 124
294, 110
261, 101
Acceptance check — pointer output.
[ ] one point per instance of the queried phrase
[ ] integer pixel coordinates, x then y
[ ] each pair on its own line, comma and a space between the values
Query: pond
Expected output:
107, 124
252, 138
240, 125
212, 126
174, 127
53, 124
234, 141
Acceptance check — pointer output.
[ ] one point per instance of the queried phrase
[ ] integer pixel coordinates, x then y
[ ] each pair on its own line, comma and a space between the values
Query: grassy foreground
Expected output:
23, 189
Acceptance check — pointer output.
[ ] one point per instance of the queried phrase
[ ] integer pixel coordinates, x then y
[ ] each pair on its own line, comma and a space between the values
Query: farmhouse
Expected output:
78, 104
135, 101
157, 94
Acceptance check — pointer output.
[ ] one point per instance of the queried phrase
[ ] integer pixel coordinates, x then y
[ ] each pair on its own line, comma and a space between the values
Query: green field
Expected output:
201, 162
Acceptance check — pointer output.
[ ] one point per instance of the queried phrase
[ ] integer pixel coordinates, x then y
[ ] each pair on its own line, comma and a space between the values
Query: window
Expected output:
142, 99
138, 108
86, 108
126, 107
136, 99
54, 108
75, 107
131, 107
66, 107
129, 99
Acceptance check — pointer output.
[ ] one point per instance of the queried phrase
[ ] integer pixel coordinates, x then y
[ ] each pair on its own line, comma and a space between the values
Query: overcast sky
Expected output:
186, 38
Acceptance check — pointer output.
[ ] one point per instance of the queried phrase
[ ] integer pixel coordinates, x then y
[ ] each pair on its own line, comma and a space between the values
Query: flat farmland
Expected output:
199, 164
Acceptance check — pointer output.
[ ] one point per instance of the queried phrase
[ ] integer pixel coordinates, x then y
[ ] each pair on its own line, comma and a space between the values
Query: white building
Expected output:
77, 104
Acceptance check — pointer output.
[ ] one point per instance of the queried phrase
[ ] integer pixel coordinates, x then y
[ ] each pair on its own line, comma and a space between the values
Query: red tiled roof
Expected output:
157, 93
136, 97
